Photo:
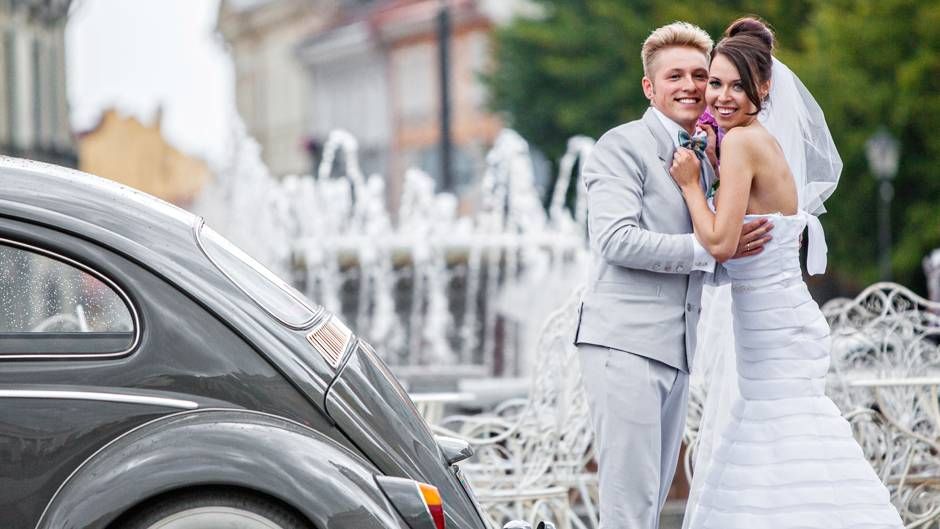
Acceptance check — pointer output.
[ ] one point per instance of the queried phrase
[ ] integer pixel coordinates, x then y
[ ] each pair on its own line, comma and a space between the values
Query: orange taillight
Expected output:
432, 499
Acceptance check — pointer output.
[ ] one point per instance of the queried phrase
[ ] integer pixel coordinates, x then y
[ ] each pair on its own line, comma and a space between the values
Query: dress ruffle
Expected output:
787, 459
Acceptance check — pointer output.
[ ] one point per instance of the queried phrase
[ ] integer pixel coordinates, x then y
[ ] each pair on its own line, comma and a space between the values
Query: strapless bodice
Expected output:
779, 263
782, 337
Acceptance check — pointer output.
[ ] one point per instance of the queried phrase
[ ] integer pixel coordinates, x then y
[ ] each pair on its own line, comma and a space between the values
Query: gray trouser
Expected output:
638, 409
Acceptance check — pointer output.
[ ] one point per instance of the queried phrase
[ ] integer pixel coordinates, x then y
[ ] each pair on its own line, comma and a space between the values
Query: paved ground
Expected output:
671, 517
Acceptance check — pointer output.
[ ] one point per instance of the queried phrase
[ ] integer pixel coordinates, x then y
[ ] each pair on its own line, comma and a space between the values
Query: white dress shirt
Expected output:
701, 259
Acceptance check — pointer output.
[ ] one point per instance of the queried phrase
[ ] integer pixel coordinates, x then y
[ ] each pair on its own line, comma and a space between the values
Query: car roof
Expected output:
122, 217
157, 235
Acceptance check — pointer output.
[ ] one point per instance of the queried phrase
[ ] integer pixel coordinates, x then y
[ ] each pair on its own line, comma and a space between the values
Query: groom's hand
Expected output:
754, 235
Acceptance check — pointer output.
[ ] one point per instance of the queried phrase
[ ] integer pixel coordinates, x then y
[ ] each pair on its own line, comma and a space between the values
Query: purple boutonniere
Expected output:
707, 119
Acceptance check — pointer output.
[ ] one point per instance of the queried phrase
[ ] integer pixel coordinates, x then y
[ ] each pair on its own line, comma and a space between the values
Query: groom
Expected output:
636, 329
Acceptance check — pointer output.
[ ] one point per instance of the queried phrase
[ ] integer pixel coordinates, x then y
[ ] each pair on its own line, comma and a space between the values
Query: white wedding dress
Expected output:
786, 458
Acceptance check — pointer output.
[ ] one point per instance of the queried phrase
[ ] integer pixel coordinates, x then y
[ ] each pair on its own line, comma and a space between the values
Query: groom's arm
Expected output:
614, 178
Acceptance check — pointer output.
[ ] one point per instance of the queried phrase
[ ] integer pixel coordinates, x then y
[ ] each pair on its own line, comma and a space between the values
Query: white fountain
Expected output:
435, 293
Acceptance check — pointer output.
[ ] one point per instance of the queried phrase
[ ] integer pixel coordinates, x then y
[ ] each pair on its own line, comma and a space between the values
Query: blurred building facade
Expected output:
348, 73
123, 149
411, 36
371, 67
272, 88
34, 114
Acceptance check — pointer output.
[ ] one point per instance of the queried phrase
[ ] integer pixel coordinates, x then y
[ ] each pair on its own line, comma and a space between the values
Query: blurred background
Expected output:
427, 215
146, 92
412, 164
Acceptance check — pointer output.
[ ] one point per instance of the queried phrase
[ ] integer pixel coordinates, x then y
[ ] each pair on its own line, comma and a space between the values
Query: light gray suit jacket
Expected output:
642, 296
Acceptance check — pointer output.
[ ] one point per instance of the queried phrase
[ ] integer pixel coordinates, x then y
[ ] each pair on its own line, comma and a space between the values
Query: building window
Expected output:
39, 130
415, 86
9, 61
53, 95
478, 44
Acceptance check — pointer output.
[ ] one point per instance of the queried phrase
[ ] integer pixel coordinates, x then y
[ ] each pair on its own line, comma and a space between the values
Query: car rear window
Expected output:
50, 305
270, 292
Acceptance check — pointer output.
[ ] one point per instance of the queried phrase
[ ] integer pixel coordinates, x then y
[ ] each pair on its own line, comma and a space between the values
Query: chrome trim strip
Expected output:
97, 396
135, 319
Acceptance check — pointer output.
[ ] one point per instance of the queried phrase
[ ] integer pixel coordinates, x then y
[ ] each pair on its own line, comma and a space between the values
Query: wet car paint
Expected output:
202, 340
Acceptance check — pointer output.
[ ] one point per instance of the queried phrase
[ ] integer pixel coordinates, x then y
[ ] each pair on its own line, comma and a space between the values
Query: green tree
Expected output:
576, 70
872, 63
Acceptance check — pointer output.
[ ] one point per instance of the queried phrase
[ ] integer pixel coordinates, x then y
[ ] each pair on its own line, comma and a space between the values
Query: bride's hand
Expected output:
711, 150
686, 168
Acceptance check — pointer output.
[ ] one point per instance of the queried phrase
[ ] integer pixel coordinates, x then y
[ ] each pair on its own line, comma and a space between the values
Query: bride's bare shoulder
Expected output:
744, 134
739, 142
748, 141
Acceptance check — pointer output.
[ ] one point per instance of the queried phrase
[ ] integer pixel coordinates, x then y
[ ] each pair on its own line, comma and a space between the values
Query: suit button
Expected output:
688, 307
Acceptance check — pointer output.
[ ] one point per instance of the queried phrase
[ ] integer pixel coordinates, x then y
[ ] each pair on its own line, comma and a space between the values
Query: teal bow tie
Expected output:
696, 142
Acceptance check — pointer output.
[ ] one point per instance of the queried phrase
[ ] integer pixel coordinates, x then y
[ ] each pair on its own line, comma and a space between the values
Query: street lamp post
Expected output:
932, 271
444, 31
883, 151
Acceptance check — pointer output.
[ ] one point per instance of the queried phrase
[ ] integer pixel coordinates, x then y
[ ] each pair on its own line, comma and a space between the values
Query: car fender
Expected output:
268, 454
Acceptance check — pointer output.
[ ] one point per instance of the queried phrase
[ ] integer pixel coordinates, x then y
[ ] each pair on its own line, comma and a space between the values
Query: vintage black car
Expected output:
154, 376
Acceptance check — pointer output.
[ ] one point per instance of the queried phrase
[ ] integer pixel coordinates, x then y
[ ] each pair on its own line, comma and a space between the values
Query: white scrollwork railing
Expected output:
531, 454
885, 377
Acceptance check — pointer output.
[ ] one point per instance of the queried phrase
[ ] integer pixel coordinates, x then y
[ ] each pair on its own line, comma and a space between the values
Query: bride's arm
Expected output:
717, 232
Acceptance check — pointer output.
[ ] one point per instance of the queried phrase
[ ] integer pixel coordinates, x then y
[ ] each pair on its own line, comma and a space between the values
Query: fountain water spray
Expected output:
433, 292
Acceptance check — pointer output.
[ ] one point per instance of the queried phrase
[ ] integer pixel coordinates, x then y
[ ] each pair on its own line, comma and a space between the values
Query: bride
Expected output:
785, 457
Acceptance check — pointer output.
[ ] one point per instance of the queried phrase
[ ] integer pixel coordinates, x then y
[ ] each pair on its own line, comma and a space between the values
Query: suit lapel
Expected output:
665, 147
709, 174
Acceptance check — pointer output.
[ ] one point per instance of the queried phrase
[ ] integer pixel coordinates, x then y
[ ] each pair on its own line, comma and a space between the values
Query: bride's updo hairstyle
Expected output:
749, 44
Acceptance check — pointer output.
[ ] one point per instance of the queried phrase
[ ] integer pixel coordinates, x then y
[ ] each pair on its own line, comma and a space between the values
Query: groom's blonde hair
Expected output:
672, 35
